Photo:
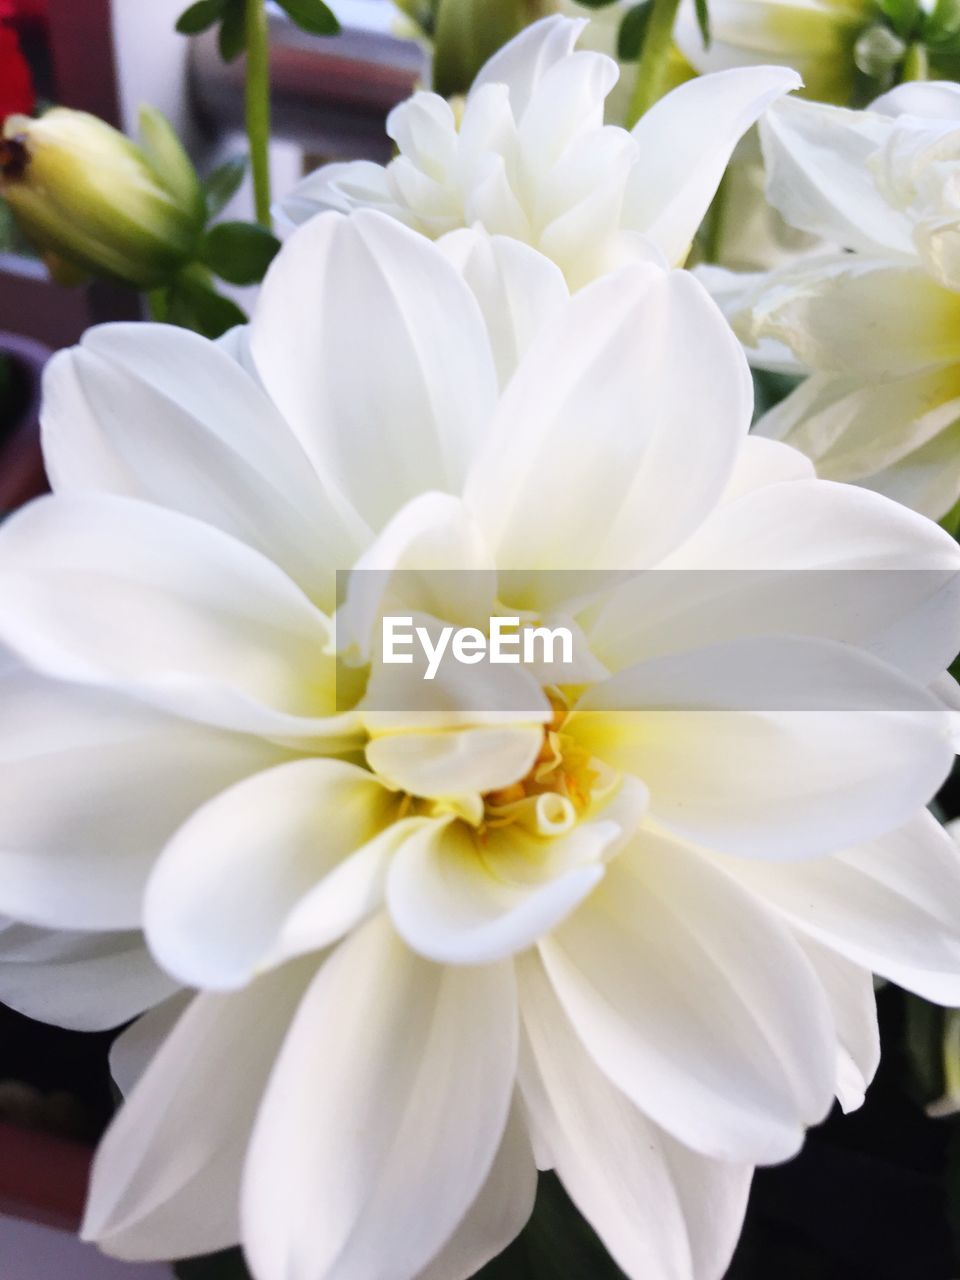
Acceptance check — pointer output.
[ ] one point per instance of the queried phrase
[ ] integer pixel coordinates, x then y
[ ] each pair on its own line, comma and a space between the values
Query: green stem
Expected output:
916, 64
654, 58
258, 106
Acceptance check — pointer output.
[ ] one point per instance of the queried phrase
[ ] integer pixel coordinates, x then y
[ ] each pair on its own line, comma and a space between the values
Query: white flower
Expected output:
815, 37
532, 159
627, 934
878, 326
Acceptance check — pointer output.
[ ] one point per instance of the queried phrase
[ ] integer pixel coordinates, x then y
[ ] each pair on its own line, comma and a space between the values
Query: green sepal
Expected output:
311, 15
200, 16
239, 252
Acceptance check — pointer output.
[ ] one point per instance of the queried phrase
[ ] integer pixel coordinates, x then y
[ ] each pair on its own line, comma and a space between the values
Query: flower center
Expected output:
562, 783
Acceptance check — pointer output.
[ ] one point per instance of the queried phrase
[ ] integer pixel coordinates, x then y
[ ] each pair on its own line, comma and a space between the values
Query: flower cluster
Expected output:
395, 957
877, 319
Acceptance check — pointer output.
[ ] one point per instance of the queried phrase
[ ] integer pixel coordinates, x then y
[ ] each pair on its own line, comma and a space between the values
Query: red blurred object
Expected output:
16, 81
28, 10
42, 1178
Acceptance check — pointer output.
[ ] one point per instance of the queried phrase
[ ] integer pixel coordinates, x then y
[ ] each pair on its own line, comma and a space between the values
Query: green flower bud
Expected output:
95, 203
468, 32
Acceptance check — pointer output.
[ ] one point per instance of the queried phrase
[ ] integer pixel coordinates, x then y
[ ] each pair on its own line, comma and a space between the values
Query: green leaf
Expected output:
312, 16
901, 14
942, 26
200, 16
923, 1048
633, 31
703, 21
233, 31
239, 251
595, 4
215, 1266
196, 305
223, 184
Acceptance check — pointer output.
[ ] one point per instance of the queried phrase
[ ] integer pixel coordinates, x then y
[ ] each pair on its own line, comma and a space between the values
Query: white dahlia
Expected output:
626, 934
529, 156
877, 321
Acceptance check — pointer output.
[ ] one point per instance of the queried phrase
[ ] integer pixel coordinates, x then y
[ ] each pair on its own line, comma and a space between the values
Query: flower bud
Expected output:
95, 203
468, 32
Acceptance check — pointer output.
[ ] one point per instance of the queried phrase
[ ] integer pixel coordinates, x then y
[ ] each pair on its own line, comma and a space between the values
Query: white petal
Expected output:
453, 901
136, 1047
523, 62
819, 178
804, 558
684, 142
852, 428
166, 1178
356, 184
764, 462
81, 981
498, 1214
927, 480
390, 412
155, 412
891, 906
935, 101
455, 762
217, 902
849, 989
851, 314
391, 1094
820, 746
92, 787
430, 558
572, 438
659, 1209
120, 592
659, 974
519, 290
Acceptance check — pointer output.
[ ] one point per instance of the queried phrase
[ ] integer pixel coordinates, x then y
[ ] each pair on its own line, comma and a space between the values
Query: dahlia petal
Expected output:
451, 904
659, 1208
166, 1177
220, 895
119, 592
365, 1094
732, 1057
771, 747
807, 558
891, 905
417, 399
655, 470
499, 1213
518, 290
92, 786
819, 178
684, 142
81, 981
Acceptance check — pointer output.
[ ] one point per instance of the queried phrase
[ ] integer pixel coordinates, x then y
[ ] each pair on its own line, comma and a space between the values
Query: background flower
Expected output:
531, 158
878, 326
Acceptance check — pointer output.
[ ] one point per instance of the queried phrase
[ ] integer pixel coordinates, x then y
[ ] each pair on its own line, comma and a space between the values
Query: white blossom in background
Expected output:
530, 157
876, 323
628, 934
815, 37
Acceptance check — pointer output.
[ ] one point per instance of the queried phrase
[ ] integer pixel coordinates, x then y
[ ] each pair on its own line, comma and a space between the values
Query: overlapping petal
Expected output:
364, 1094
736, 1075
